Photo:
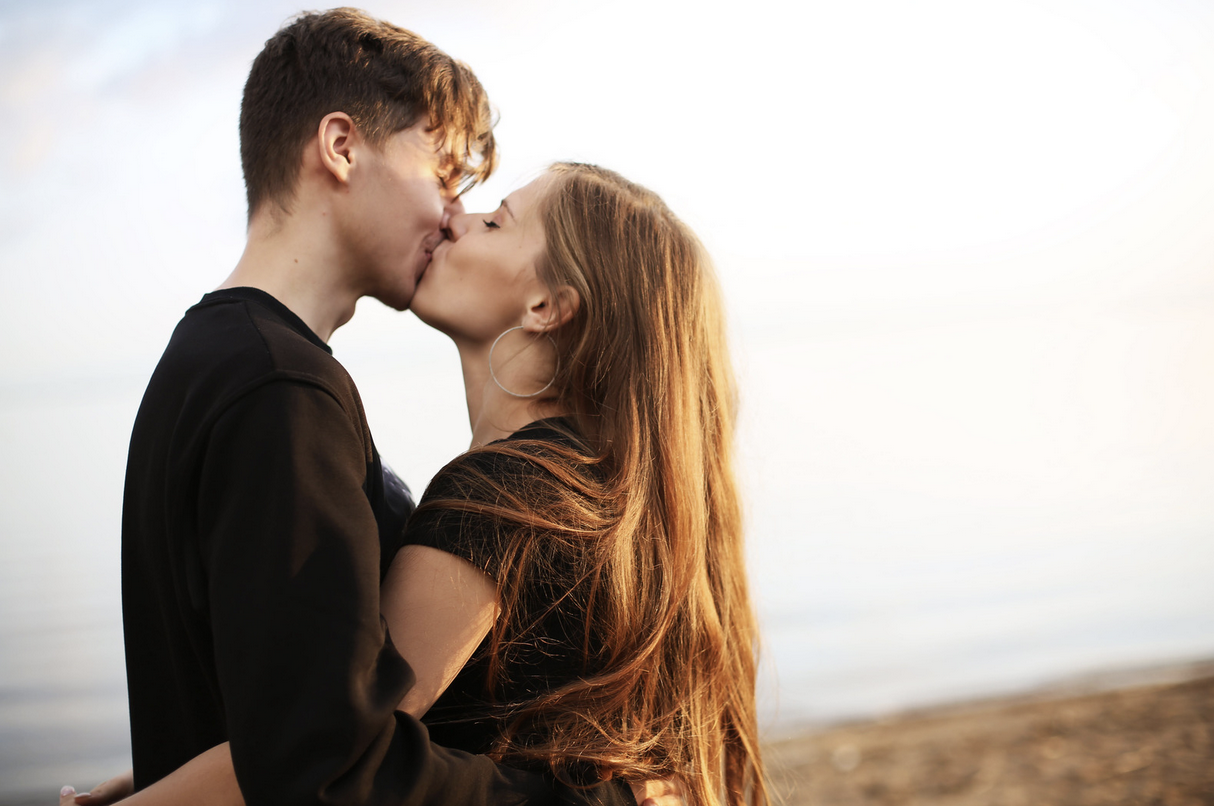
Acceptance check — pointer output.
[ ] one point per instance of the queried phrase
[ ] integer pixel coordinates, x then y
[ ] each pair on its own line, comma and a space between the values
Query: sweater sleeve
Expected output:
469, 535
309, 680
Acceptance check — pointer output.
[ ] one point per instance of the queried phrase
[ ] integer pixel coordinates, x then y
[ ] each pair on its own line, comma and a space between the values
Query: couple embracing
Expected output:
564, 617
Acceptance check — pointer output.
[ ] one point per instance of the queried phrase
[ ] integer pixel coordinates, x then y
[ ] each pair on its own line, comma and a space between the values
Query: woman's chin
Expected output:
426, 318
429, 318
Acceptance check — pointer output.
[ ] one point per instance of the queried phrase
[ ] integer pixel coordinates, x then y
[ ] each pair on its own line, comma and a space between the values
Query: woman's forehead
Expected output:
522, 200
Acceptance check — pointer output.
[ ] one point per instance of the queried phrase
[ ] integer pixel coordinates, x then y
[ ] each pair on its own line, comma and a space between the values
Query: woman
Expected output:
574, 595
625, 639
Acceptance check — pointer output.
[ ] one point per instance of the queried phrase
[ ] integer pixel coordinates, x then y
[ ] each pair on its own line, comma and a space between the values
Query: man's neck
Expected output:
298, 263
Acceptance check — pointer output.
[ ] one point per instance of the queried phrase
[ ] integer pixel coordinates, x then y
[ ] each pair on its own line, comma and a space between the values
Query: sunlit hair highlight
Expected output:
384, 77
648, 513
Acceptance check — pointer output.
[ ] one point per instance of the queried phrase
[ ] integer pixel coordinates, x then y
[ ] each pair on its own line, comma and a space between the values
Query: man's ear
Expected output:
548, 311
336, 136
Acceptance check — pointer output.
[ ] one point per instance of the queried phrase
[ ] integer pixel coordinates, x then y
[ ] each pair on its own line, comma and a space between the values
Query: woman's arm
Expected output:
438, 608
206, 779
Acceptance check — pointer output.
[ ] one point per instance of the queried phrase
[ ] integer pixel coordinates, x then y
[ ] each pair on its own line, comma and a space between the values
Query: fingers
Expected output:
659, 792
664, 800
106, 792
67, 795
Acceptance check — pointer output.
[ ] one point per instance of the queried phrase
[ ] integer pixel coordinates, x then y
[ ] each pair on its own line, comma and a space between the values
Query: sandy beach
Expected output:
1143, 744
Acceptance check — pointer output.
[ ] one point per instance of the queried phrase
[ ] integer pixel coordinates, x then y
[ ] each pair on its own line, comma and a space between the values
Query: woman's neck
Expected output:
494, 413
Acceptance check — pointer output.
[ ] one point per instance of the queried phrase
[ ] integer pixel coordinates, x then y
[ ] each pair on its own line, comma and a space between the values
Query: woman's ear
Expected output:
549, 310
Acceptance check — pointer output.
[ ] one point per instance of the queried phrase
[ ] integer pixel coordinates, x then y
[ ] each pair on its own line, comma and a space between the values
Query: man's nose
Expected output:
457, 225
452, 209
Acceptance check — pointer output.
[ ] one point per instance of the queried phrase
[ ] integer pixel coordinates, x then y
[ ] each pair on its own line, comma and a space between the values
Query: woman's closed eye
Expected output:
492, 224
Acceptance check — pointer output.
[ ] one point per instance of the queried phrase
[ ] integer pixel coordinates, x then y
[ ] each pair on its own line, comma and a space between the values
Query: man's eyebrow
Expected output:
508, 210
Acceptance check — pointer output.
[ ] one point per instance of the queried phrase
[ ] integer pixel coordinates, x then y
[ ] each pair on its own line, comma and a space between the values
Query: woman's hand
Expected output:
661, 792
111, 791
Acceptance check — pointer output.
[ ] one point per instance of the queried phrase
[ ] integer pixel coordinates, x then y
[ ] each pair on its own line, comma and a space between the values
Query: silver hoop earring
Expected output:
493, 374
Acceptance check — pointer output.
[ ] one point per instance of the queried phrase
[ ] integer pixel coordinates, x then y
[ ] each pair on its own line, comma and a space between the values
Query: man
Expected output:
258, 518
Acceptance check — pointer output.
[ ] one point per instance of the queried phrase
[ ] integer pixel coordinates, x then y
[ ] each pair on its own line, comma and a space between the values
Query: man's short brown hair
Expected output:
384, 77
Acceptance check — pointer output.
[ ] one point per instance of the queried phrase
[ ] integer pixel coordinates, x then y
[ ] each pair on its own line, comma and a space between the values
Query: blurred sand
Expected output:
1149, 744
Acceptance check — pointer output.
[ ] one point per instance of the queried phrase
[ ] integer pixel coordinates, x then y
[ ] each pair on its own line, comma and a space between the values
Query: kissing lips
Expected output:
430, 247
431, 243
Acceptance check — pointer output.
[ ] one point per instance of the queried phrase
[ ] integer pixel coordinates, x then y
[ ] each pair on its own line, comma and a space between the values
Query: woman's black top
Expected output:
470, 714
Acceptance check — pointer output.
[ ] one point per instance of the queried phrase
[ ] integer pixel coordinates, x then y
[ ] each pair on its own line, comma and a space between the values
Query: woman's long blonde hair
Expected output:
648, 514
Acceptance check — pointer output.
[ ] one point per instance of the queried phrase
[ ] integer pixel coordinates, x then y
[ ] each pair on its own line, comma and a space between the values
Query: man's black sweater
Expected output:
257, 524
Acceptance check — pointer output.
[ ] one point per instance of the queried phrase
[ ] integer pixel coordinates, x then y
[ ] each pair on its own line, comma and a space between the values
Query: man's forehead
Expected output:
436, 136
424, 142
438, 144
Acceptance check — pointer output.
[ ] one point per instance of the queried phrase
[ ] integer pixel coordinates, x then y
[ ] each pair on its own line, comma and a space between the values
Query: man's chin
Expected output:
398, 299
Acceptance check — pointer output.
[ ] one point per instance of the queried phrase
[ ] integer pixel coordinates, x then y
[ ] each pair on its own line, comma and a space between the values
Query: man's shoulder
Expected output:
244, 339
226, 348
